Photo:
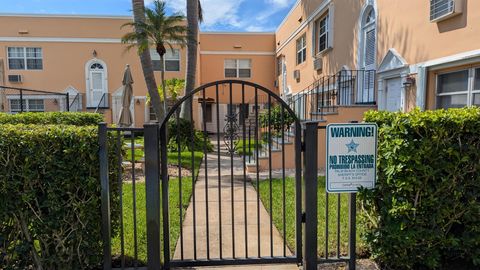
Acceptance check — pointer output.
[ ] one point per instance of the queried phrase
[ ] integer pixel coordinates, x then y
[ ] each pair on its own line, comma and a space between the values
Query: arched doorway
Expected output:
96, 83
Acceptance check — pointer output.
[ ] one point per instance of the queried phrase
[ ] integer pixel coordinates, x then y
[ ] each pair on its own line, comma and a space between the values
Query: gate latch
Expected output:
303, 217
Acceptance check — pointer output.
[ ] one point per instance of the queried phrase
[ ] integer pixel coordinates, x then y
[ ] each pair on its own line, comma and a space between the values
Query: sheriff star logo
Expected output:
352, 146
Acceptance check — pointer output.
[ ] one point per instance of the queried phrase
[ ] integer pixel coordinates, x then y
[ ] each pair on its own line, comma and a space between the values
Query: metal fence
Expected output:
210, 216
346, 88
19, 100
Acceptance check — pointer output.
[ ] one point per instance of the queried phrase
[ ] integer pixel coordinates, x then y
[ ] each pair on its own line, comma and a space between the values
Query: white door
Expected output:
394, 95
96, 85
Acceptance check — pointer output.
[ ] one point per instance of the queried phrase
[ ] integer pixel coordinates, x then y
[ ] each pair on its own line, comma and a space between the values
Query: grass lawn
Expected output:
277, 195
174, 205
249, 150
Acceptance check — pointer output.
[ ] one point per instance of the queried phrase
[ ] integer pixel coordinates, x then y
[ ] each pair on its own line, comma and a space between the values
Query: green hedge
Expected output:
52, 118
50, 196
425, 211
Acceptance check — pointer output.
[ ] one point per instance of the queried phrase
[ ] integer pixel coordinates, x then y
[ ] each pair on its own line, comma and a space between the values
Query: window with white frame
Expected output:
441, 8
238, 68
458, 89
301, 49
29, 105
321, 33
171, 60
29, 58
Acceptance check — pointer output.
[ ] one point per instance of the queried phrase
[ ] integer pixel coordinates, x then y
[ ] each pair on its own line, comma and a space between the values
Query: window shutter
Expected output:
331, 12
97, 81
370, 47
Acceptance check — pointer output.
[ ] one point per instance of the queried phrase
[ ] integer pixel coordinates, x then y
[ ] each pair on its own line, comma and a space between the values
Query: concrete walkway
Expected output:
226, 201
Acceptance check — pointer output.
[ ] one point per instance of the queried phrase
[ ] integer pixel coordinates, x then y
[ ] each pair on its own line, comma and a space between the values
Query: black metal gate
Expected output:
227, 220
224, 189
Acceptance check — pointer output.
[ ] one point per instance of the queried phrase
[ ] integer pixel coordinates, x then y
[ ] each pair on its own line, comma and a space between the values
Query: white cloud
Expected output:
279, 3
255, 28
215, 12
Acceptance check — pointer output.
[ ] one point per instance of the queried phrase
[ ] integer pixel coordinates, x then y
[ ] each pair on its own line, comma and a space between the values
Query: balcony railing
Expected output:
346, 88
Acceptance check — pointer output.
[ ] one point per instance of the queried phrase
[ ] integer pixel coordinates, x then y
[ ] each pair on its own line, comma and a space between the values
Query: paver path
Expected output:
232, 202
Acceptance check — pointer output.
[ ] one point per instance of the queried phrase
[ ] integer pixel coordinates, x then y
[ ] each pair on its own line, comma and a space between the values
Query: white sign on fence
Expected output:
351, 157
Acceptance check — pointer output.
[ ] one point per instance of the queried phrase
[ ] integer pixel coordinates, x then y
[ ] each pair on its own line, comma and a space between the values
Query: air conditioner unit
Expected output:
318, 63
15, 78
296, 75
442, 10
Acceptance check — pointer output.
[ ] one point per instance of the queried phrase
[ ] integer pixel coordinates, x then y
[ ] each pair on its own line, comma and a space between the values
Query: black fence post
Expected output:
152, 186
67, 99
21, 100
310, 196
105, 196
352, 219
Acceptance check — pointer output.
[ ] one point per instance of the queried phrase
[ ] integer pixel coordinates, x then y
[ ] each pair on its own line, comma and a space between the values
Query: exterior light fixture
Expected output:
94, 53
409, 81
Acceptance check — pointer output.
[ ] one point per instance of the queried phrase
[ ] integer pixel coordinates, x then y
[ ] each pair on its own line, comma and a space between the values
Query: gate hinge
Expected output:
303, 217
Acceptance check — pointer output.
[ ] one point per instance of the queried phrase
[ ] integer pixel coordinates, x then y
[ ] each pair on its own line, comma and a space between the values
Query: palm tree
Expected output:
153, 28
194, 16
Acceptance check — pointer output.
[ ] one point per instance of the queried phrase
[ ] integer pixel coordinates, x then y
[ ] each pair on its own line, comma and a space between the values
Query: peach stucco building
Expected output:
330, 59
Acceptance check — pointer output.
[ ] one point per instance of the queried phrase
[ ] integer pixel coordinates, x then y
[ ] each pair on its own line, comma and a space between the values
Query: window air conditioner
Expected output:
15, 78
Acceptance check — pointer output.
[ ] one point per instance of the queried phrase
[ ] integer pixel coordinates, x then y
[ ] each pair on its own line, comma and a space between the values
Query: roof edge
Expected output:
81, 16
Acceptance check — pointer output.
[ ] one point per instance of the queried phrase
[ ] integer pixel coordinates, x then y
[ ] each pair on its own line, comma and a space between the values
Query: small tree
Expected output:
157, 30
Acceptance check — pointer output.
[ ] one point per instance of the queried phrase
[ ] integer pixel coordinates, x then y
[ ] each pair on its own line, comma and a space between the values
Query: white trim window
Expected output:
301, 49
25, 58
171, 60
441, 8
322, 32
29, 105
458, 89
238, 68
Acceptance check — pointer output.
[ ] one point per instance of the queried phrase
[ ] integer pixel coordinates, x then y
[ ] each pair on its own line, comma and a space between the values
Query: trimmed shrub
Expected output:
425, 210
52, 118
180, 133
50, 196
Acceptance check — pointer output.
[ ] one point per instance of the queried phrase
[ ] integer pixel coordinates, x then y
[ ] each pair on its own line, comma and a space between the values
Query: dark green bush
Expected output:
50, 196
52, 118
180, 134
425, 210
276, 123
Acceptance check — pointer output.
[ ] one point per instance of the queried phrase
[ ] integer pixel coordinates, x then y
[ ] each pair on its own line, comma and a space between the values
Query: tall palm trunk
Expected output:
192, 43
162, 75
146, 61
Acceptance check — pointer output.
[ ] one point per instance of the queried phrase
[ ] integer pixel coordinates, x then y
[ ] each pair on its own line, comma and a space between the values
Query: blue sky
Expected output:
219, 15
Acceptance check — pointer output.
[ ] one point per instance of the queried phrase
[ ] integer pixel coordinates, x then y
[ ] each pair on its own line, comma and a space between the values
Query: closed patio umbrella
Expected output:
125, 118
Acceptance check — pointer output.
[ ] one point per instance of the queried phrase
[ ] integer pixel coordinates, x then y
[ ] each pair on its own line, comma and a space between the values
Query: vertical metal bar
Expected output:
180, 195
152, 195
120, 192
219, 173
283, 182
205, 157
310, 192
21, 100
257, 143
105, 198
326, 224
134, 195
165, 196
338, 225
244, 170
270, 170
298, 192
352, 217
231, 177
67, 97
192, 149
